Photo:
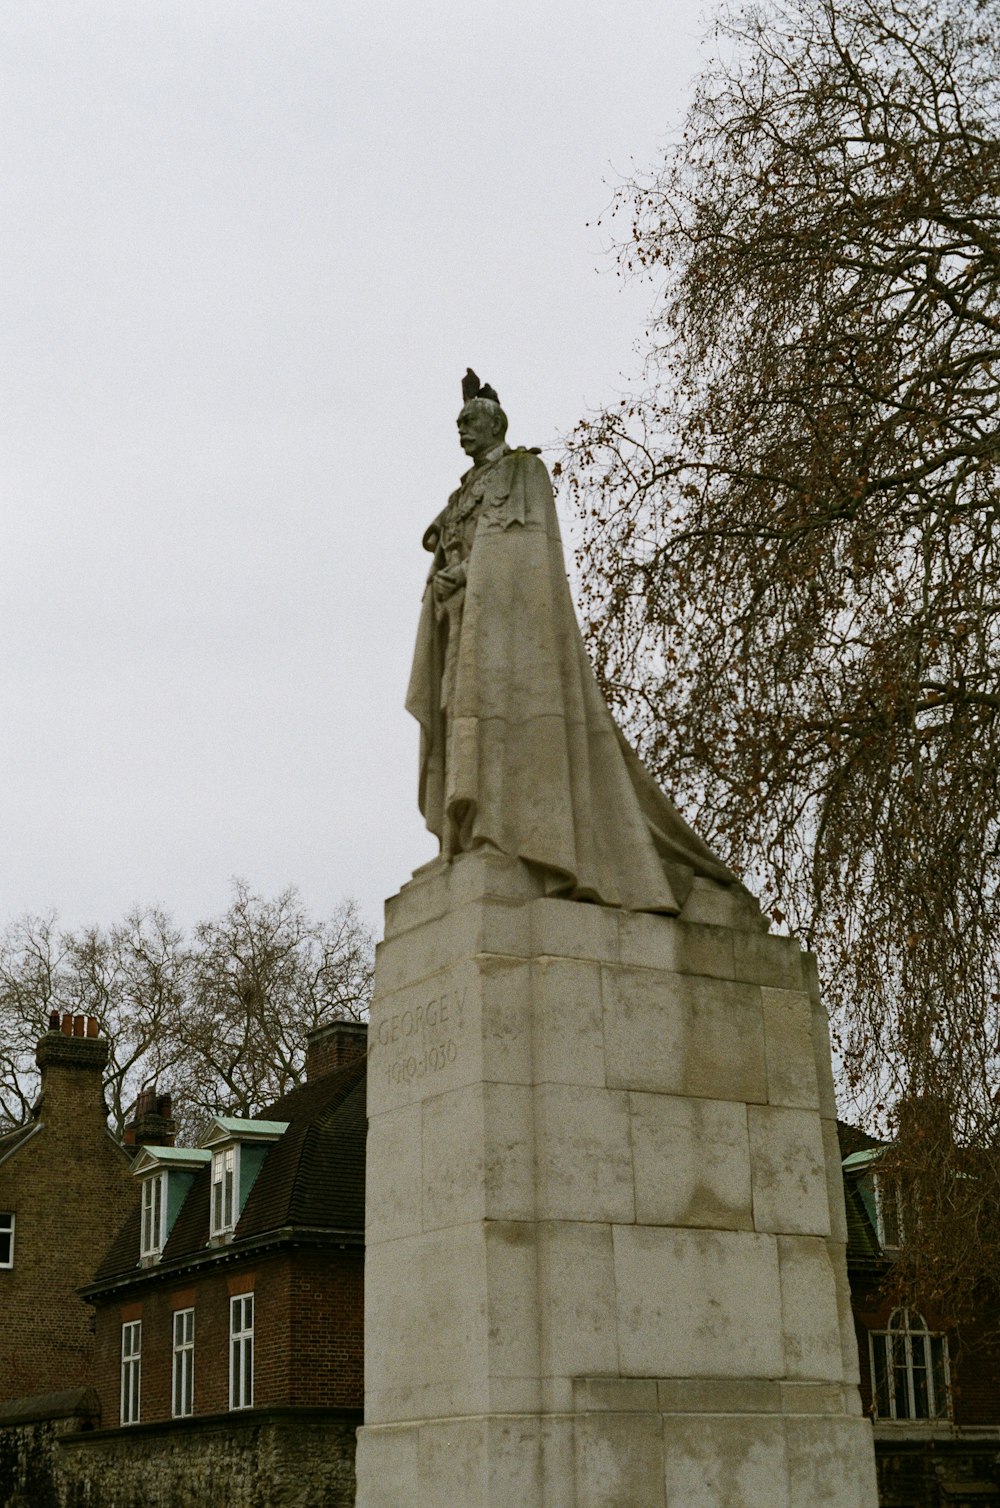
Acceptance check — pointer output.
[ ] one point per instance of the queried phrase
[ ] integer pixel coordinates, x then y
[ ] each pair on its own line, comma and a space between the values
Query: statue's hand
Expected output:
448, 581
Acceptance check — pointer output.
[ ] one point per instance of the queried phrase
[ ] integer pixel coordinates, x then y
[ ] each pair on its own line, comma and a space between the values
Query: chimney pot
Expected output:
93, 1026
53, 1021
79, 1026
66, 1026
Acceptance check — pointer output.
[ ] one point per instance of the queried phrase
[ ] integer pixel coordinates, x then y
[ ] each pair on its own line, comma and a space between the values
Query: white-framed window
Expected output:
6, 1238
910, 1377
241, 1351
888, 1211
182, 1392
131, 1371
154, 1214
225, 1190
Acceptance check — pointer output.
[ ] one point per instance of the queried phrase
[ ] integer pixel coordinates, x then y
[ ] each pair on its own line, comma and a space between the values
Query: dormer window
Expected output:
225, 1184
882, 1196
888, 1211
167, 1174
154, 1209
238, 1148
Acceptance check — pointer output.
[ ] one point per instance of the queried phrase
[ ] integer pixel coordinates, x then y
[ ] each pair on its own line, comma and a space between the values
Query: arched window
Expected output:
909, 1368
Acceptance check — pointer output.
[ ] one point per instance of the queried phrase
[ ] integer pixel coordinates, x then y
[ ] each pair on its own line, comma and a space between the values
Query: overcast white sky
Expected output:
247, 250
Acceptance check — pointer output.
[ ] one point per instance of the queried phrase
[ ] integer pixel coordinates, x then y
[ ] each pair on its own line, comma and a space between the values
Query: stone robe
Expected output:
518, 748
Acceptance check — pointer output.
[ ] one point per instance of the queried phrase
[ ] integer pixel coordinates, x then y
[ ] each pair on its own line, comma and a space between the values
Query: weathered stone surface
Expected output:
683, 948
684, 1034
583, 1153
727, 1462
831, 1463
713, 905
691, 1159
718, 1395
617, 1279
302, 1458
567, 1022
427, 1293
810, 1322
697, 1303
773, 961
579, 1325
789, 1171
789, 1048
618, 1395
395, 1174
834, 1181
619, 1461
478, 1151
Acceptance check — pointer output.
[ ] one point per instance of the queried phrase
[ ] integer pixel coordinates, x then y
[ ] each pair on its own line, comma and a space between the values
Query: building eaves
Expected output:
216, 1256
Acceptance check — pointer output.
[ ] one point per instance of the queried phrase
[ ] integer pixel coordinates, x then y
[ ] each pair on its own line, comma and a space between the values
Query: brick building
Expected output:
935, 1403
227, 1360
64, 1184
234, 1288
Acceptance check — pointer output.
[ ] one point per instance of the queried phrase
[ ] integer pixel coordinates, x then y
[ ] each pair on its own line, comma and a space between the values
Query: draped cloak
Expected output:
518, 748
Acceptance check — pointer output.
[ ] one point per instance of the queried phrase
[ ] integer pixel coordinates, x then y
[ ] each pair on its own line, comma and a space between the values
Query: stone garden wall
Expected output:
265, 1458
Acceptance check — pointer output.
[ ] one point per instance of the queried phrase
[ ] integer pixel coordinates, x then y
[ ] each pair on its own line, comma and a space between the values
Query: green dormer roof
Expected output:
860, 1160
238, 1128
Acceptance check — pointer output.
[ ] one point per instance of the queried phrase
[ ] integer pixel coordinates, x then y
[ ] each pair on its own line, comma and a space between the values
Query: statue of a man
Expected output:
518, 750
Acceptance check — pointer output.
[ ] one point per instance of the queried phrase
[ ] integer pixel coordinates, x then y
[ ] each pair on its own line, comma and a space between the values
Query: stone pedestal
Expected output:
605, 1260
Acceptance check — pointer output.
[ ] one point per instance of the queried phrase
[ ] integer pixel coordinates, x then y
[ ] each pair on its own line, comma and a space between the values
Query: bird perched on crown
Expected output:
519, 751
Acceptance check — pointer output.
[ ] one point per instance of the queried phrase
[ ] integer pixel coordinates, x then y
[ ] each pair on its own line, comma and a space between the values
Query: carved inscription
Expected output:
421, 1040
411, 1069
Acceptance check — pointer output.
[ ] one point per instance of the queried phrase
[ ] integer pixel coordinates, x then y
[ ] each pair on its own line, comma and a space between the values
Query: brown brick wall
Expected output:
973, 1360
327, 1347
70, 1188
308, 1336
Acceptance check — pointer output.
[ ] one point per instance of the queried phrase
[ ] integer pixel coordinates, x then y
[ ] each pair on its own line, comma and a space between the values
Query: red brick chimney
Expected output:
71, 1057
331, 1046
152, 1124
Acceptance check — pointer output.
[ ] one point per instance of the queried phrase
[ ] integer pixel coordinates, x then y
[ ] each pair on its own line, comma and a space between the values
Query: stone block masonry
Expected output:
605, 1240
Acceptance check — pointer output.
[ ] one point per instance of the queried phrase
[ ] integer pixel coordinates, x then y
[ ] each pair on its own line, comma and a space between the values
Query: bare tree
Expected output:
791, 563
262, 976
219, 1020
130, 977
31, 966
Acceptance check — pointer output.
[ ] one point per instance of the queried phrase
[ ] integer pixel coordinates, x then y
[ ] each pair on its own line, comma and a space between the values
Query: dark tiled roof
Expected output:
853, 1139
312, 1176
862, 1241
123, 1252
315, 1173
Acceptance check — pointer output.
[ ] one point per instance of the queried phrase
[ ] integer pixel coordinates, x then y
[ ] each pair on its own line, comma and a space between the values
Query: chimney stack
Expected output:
71, 1057
330, 1046
152, 1124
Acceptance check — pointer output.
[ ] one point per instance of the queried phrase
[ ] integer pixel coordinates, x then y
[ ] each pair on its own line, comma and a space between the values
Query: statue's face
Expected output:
477, 431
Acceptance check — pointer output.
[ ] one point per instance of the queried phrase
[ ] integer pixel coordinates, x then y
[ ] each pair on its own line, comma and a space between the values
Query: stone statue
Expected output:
518, 749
